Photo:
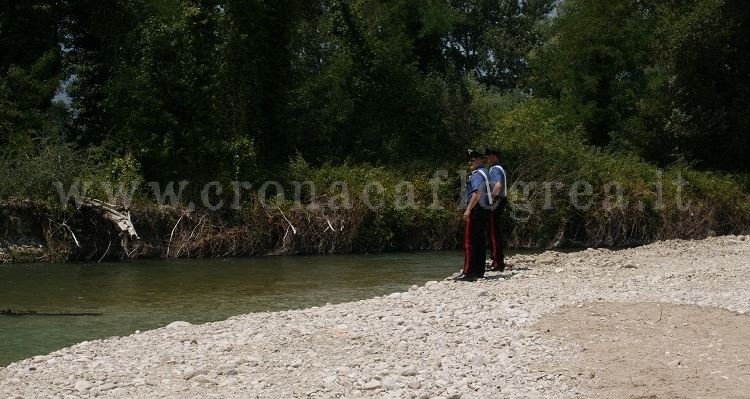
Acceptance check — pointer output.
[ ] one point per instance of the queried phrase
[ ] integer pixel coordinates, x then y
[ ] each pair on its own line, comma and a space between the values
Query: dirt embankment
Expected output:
36, 232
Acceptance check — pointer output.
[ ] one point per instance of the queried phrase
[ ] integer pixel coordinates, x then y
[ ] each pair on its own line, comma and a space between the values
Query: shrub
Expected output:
539, 144
33, 174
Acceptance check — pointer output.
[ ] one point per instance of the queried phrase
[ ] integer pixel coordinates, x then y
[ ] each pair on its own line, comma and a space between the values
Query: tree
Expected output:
372, 84
255, 74
703, 46
490, 39
29, 72
147, 83
596, 62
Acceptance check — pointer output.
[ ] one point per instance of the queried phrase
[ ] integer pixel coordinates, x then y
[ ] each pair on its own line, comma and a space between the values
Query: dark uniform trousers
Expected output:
475, 248
495, 234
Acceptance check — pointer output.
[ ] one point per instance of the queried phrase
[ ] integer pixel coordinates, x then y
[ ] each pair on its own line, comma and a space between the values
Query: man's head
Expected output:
493, 156
474, 158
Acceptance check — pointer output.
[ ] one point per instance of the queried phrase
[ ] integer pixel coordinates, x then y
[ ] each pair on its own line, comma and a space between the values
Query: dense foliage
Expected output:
138, 90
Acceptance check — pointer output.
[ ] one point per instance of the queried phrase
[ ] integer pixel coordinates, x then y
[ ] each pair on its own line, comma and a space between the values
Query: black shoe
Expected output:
498, 268
464, 277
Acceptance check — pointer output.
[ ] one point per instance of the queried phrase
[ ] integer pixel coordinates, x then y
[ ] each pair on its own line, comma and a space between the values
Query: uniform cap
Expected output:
473, 154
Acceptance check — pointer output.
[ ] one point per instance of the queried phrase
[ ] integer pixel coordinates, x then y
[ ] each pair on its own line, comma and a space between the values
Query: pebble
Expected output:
373, 384
178, 324
82, 386
390, 384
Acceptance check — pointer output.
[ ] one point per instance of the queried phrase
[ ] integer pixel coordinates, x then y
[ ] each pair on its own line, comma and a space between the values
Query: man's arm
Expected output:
496, 189
472, 203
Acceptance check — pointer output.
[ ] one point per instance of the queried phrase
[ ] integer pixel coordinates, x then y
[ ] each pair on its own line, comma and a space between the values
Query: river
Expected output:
143, 295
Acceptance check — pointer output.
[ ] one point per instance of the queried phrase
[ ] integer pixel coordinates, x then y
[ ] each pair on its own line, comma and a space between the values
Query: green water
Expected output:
152, 294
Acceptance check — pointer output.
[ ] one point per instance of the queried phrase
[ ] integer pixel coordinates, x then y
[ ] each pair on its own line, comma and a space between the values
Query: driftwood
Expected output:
11, 312
121, 221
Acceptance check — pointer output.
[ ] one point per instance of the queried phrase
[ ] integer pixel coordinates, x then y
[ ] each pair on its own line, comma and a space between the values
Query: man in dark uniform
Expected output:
475, 218
498, 183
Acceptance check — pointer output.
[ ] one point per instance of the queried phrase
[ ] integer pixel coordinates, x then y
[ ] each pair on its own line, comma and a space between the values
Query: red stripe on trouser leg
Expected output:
493, 237
467, 247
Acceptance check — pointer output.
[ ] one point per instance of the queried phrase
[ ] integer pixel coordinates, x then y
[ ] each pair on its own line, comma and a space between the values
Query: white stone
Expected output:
178, 324
390, 384
373, 384
83, 385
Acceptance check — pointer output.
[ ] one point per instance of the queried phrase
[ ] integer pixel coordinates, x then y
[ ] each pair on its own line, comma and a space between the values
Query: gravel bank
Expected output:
445, 339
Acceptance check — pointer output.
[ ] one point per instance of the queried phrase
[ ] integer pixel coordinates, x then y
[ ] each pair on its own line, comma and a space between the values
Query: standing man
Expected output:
475, 218
498, 182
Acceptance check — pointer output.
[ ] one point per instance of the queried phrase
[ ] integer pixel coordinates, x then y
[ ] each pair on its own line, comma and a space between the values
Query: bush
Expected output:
544, 153
33, 174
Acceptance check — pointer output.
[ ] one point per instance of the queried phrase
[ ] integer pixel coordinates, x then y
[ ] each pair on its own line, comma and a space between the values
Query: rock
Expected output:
252, 361
202, 379
83, 385
630, 265
395, 295
372, 385
390, 384
559, 270
191, 372
478, 360
106, 386
178, 324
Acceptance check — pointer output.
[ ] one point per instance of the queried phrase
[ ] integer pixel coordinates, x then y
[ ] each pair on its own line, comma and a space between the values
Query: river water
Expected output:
144, 295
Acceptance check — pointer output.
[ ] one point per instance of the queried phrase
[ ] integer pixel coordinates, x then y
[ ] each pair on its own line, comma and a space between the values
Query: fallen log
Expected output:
121, 221
11, 312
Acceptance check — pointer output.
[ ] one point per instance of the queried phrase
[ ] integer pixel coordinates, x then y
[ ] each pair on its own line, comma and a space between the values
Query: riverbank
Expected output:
32, 232
505, 336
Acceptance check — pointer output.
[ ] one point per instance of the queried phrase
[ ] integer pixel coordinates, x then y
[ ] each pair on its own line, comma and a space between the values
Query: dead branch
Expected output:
172, 234
294, 230
192, 234
107, 251
65, 224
